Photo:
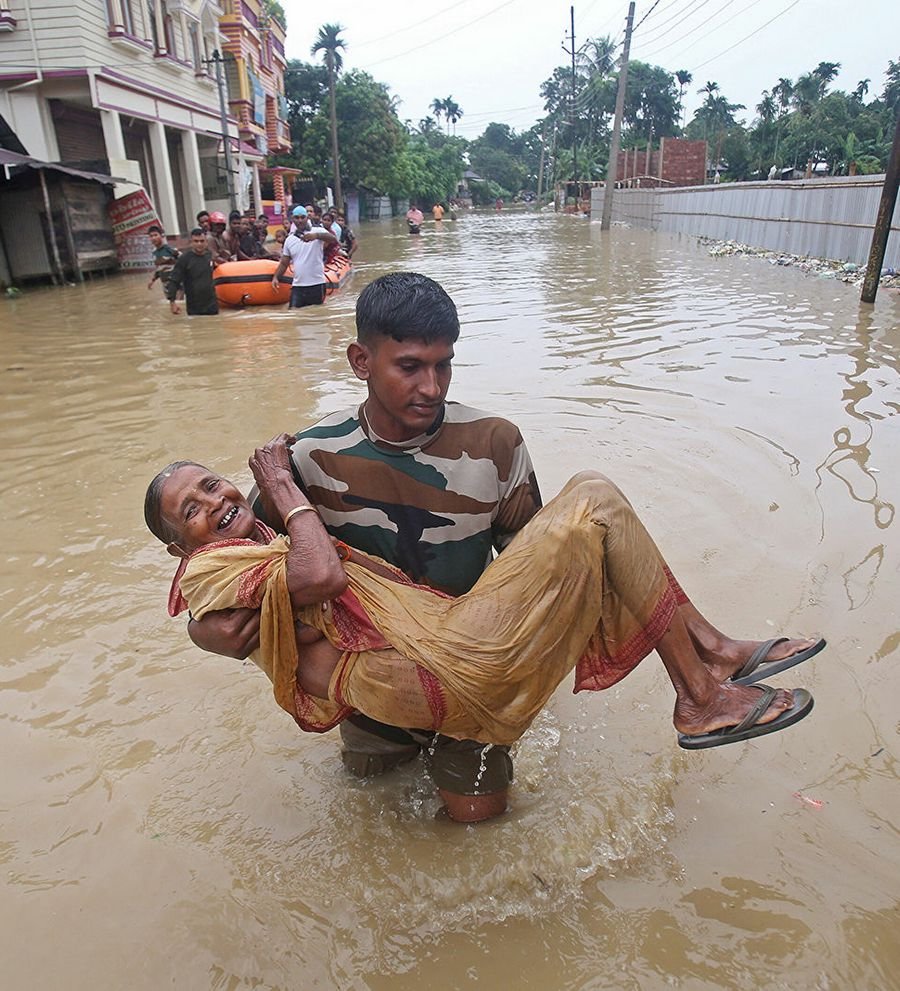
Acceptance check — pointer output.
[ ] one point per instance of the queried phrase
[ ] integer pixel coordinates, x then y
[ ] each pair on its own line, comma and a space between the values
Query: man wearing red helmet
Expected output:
215, 239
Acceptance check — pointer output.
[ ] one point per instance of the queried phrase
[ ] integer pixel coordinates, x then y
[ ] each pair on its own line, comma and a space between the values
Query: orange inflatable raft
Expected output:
250, 283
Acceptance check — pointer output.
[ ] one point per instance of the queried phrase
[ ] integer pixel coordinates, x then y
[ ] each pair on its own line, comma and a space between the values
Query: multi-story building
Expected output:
127, 87
254, 33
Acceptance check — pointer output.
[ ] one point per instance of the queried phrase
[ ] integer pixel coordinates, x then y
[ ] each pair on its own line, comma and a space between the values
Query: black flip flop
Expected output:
756, 667
748, 727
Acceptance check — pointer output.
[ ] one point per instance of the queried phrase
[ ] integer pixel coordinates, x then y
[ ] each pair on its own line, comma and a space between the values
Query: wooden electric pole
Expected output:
883, 221
613, 165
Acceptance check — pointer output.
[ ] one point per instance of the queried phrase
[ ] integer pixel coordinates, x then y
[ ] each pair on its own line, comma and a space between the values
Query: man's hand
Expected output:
276, 285
309, 236
174, 307
229, 632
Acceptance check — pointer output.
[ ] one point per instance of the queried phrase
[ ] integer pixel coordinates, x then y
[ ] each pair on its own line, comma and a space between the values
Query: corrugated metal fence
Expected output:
824, 218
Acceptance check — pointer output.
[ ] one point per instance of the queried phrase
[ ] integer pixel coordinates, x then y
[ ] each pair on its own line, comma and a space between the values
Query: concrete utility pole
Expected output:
612, 167
883, 221
223, 116
541, 166
573, 108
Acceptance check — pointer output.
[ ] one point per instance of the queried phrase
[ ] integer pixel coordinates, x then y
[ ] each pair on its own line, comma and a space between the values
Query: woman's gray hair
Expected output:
153, 503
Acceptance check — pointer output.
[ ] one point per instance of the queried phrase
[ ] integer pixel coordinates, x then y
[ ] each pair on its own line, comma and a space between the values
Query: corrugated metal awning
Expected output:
11, 159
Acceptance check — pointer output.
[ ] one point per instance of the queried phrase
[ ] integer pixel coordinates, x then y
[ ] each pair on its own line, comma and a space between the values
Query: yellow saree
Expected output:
581, 586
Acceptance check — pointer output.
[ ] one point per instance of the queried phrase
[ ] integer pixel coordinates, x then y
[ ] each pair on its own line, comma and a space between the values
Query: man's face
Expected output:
156, 239
203, 507
198, 243
235, 225
203, 221
407, 383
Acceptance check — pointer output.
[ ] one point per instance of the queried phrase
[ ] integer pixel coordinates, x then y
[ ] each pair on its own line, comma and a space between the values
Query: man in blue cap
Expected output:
304, 249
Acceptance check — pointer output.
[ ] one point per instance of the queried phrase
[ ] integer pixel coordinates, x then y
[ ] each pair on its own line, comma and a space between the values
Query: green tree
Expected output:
891, 95
428, 173
305, 90
453, 111
497, 155
651, 102
330, 43
371, 133
684, 79
825, 73
714, 118
862, 87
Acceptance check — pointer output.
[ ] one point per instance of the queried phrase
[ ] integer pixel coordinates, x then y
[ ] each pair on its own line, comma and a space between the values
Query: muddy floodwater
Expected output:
164, 825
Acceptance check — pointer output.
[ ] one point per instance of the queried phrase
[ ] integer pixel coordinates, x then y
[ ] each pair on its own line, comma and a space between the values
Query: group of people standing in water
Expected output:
242, 237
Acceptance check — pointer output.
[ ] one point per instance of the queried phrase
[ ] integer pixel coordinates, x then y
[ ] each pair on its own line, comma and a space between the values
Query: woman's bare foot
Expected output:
723, 656
726, 706
729, 656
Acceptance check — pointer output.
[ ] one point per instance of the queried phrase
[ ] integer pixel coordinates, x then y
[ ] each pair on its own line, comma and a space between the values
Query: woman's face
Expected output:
202, 507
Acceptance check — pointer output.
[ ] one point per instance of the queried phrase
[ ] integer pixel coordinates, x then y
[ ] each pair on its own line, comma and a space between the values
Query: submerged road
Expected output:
165, 825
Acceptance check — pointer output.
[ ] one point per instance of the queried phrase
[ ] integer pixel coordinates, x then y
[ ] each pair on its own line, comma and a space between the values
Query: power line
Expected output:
693, 30
442, 37
780, 13
618, 16
655, 32
409, 27
649, 12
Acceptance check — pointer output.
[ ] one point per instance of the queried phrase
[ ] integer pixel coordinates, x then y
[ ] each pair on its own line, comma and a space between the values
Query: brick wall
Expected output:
683, 163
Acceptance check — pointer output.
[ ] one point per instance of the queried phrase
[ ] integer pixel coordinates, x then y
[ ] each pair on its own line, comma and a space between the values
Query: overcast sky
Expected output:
491, 56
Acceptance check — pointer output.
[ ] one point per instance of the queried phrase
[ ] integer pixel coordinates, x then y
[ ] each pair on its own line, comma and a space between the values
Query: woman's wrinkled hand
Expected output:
269, 462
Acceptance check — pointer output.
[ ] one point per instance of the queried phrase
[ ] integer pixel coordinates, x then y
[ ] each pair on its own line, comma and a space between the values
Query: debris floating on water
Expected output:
812, 802
822, 268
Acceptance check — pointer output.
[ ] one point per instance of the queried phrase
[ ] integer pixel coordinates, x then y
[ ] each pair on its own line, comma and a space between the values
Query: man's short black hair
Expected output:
154, 229
406, 306
202, 213
198, 232
235, 215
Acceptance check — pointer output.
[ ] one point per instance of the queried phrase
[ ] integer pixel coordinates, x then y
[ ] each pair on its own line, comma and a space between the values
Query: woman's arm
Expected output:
314, 570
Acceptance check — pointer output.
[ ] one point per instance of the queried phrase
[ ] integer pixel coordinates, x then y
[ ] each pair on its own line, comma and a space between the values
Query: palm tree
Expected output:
710, 89
862, 87
437, 108
807, 91
453, 111
597, 56
767, 109
684, 79
824, 73
782, 91
330, 42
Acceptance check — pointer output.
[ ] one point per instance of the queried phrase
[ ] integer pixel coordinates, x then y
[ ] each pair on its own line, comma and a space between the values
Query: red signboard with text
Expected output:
131, 216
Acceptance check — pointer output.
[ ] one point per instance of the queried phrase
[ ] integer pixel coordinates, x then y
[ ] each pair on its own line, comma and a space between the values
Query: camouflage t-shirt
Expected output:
435, 506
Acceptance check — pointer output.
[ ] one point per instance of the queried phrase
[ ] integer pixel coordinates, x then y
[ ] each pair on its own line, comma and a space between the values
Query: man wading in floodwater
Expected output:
434, 487
193, 270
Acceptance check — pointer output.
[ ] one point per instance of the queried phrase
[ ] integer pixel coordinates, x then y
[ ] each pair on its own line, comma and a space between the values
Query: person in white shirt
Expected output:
304, 250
